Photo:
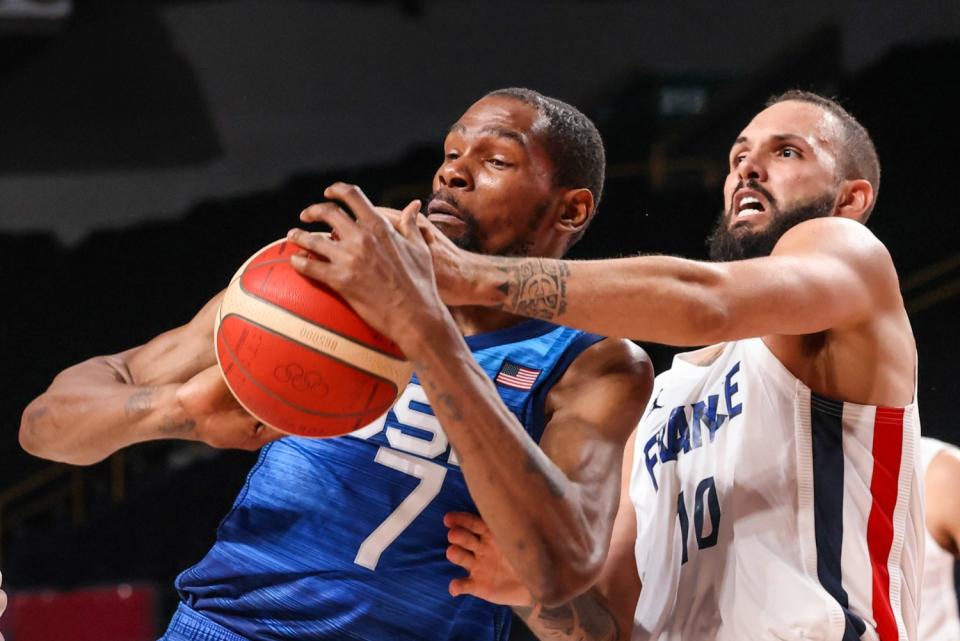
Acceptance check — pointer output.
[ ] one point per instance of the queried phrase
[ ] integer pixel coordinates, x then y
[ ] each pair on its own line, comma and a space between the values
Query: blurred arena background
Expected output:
147, 148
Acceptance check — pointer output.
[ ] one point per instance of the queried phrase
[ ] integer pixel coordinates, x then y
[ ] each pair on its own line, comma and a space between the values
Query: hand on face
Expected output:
450, 263
383, 270
474, 548
212, 415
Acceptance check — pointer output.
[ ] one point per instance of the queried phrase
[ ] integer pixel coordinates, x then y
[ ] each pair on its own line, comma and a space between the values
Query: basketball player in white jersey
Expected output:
939, 615
774, 479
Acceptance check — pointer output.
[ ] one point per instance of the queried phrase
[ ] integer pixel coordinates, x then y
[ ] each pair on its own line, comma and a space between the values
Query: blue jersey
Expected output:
344, 538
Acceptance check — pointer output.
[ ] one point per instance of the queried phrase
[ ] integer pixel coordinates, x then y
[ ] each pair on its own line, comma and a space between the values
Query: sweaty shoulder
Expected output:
609, 357
612, 373
856, 344
850, 248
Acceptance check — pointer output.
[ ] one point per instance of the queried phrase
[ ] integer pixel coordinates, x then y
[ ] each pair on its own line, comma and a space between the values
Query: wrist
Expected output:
430, 336
173, 418
480, 281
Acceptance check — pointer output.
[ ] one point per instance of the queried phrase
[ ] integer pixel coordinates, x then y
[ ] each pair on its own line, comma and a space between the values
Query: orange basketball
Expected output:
295, 354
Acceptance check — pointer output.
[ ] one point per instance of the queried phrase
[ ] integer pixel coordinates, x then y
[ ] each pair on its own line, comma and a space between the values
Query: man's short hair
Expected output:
858, 156
571, 140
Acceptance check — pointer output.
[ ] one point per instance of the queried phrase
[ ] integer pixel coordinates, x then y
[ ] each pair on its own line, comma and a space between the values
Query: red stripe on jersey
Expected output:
884, 486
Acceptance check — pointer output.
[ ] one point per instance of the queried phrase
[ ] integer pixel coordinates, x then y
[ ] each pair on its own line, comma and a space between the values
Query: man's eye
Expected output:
499, 163
789, 152
451, 155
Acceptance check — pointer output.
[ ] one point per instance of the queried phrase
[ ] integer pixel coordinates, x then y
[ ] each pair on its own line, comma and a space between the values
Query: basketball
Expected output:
295, 354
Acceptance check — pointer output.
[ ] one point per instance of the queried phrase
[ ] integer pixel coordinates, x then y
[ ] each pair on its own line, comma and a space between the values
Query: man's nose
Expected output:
750, 168
455, 174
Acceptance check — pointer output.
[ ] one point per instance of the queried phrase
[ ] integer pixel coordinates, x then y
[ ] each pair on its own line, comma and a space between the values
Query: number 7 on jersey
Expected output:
431, 477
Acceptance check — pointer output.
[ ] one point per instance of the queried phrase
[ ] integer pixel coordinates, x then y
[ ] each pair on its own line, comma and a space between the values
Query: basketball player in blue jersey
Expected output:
775, 487
344, 538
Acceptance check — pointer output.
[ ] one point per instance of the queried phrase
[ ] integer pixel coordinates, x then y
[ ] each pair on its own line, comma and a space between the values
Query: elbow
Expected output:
708, 316
34, 436
38, 435
570, 564
568, 578
562, 590
704, 302
710, 323
33, 443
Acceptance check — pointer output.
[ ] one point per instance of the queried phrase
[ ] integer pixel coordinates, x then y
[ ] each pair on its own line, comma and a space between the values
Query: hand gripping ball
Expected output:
296, 355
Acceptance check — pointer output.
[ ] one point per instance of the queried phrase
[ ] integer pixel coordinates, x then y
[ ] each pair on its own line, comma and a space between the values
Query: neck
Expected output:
478, 320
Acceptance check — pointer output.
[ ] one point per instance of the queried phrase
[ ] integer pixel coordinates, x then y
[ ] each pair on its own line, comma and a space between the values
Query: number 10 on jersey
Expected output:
704, 496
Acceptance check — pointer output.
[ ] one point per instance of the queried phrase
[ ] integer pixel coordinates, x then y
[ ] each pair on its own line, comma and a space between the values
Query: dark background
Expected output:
146, 149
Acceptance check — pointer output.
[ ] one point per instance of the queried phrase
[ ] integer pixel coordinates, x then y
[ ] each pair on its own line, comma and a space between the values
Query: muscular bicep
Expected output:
823, 274
174, 356
592, 411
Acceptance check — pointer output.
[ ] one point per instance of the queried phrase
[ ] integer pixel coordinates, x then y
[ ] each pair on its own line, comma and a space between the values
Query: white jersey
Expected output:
939, 615
765, 511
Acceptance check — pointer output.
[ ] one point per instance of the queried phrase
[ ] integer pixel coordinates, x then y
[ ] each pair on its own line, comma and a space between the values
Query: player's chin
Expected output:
455, 231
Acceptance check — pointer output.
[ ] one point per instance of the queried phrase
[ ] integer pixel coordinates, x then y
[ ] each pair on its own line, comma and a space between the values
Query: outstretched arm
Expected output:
169, 387
824, 273
551, 508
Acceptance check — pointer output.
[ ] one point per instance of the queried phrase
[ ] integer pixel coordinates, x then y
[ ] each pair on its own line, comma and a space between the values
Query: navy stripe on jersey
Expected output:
956, 582
523, 331
827, 421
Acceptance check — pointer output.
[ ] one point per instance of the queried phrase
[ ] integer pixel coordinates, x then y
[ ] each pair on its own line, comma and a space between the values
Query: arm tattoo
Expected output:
170, 426
534, 287
452, 406
586, 618
139, 403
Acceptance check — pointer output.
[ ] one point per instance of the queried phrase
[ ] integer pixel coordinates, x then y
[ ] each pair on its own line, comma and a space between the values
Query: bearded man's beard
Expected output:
728, 242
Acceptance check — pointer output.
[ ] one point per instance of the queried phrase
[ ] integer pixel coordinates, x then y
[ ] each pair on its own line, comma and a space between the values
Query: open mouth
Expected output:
748, 203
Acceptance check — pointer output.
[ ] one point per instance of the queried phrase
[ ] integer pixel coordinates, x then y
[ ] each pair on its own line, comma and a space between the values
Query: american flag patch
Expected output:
517, 376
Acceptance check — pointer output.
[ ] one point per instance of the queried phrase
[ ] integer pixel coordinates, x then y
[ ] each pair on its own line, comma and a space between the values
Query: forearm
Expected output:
653, 298
91, 411
587, 617
533, 509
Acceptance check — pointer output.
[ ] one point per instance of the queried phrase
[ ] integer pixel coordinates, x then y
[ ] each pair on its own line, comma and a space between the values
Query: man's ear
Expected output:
577, 210
855, 199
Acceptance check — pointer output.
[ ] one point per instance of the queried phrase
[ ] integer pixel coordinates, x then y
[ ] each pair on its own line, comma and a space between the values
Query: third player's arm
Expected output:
823, 273
943, 501
551, 509
165, 388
